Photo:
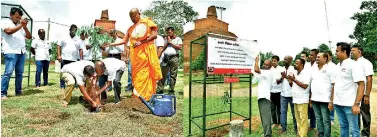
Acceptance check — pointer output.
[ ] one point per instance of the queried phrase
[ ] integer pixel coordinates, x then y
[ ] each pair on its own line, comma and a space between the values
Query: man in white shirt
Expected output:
348, 91
170, 61
115, 51
111, 69
308, 66
305, 56
286, 94
265, 77
276, 91
322, 82
41, 49
331, 64
14, 31
80, 73
67, 50
300, 94
367, 68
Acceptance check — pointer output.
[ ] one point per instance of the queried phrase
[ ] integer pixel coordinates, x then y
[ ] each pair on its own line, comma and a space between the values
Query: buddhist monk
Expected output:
145, 66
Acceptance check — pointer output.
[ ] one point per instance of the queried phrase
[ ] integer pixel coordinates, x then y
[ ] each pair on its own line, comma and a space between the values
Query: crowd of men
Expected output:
319, 85
149, 59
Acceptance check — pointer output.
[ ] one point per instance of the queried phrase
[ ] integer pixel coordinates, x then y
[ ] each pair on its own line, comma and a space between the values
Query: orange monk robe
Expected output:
145, 64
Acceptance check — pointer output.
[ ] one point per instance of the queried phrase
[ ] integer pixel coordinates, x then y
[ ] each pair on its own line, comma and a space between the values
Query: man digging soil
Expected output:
79, 72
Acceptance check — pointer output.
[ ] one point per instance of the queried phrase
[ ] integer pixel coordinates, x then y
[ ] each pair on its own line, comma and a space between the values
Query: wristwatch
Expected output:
357, 103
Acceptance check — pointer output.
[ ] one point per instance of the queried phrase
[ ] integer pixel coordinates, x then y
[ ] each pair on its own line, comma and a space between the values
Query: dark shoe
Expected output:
20, 94
160, 92
171, 92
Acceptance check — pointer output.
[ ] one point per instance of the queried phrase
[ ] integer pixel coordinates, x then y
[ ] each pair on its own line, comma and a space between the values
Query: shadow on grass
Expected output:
32, 91
76, 100
51, 84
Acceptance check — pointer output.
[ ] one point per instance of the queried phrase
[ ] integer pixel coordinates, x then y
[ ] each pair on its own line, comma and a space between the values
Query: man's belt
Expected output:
114, 55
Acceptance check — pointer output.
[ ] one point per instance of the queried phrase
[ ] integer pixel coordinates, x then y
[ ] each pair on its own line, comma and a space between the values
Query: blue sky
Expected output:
280, 26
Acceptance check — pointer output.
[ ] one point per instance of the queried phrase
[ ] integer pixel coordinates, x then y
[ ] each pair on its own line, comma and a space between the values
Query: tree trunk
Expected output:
236, 128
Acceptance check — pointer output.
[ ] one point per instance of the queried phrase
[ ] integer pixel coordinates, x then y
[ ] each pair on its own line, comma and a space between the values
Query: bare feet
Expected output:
65, 105
279, 127
273, 126
4, 98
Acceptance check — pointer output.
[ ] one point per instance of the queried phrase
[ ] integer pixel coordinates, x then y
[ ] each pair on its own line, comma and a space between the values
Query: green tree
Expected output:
96, 39
53, 53
323, 48
264, 56
199, 62
175, 14
305, 49
365, 32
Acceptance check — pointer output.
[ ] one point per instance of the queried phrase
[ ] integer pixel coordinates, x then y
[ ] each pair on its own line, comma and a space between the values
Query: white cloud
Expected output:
79, 12
284, 27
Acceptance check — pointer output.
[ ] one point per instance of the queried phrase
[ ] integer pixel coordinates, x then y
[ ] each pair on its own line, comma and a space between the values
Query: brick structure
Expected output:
211, 24
107, 24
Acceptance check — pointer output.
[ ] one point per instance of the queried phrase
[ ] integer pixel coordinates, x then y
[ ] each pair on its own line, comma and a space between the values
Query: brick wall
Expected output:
106, 24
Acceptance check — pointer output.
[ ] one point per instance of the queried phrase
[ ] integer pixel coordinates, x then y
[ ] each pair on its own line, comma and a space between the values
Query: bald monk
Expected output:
145, 66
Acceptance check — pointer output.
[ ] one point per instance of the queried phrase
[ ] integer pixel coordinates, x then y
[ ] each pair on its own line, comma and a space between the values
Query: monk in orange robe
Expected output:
146, 71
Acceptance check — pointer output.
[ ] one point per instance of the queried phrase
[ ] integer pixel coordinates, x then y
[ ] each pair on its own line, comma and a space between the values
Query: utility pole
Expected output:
221, 17
49, 24
328, 28
48, 29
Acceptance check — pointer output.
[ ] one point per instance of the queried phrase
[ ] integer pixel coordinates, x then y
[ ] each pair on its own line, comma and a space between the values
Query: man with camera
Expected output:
170, 61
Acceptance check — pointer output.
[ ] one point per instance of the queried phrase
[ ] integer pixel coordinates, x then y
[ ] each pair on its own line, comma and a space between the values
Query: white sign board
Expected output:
230, 57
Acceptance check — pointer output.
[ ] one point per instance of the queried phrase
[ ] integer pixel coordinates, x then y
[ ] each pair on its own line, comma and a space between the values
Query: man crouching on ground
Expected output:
79, 72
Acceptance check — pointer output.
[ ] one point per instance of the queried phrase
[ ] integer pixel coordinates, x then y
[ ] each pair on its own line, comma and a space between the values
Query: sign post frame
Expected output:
214, 79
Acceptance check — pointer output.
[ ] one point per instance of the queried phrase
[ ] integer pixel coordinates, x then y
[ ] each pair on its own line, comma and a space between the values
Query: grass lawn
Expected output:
214, 104
39, 113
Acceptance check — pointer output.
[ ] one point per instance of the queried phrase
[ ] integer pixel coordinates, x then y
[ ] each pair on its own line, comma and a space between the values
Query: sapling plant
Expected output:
96, 39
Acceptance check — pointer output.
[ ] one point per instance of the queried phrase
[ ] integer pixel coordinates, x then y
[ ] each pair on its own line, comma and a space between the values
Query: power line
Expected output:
61, 24
48, 26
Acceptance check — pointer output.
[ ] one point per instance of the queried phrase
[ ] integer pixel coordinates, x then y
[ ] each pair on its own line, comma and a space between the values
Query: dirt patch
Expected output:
47, 115
41, 127
44, 121
128, 105
136, 111
64, 115
162, 130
